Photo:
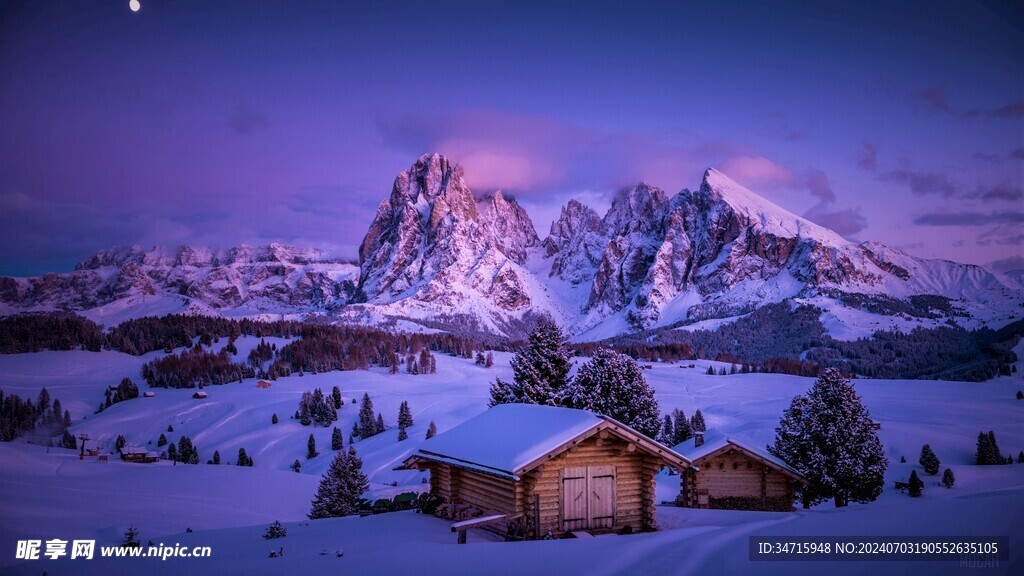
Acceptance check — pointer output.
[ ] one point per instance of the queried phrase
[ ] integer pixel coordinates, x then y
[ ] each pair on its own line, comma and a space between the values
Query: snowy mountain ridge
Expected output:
436, 256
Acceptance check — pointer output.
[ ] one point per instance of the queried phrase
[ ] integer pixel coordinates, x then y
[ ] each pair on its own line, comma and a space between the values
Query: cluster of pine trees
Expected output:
677, 428
126, 390
426, 364
195, 367
319, 409
610, 383
18, 417
49, 331
485, 361
988, 452
367, 424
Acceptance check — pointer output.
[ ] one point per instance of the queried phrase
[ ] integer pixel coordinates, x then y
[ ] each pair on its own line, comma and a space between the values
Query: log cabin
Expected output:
732, 474
547, 468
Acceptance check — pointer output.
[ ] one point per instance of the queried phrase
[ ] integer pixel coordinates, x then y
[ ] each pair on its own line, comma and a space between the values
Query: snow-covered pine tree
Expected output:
305, 416
120, 442
402, 434
929, 461
274, 531
489, 360
379, 425
194, 457
172, 452
613, 384
404, 414
296, 466
273, 419
341, 487
243, 458
311, 448
216, 457
431, 430
682, 431
711, 371
161, 441
540, 370
828, 436
697, 425
367, 423
336, 396
948, 479
1020, 457
337, 440
170, 428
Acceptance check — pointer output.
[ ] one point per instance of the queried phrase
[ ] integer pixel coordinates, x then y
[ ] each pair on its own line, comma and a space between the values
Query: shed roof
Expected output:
715, 440
510, 439
133, 450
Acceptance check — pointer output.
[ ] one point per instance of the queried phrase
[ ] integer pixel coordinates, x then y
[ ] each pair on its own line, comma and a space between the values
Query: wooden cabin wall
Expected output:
634, 484
488, 493
734, 475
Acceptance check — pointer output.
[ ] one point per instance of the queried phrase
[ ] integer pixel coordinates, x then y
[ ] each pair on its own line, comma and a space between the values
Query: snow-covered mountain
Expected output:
439, 256
128, 282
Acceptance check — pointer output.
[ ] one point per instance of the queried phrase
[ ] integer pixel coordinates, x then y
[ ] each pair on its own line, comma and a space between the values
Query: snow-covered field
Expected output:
51, 494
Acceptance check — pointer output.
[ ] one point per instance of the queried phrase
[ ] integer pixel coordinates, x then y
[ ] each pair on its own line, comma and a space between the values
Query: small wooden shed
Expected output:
138, 454
548, 468
262, 384
732, 474
200, 395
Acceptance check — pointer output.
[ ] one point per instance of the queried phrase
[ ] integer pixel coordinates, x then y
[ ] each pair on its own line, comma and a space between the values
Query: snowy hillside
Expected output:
50, 493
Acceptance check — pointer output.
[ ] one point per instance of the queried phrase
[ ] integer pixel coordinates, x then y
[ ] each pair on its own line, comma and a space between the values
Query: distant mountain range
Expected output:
436, 256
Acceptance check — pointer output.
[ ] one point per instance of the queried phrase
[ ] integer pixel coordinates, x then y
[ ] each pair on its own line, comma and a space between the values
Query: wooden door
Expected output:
574, 498
602, 496
588, 497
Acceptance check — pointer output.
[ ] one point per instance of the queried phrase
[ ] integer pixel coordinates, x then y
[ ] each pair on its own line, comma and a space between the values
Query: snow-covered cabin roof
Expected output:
133, 450
511, 439
715, 441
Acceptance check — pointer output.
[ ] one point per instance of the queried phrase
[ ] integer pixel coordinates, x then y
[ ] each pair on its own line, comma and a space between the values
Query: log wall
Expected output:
733, 475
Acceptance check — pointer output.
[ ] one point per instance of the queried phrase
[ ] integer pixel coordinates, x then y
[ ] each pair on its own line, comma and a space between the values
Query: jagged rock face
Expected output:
706, 242
507, 226
220, 279
431, 241
577, 241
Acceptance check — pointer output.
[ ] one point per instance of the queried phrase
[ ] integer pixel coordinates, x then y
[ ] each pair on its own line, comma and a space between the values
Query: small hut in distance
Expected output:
734, 475
550, 469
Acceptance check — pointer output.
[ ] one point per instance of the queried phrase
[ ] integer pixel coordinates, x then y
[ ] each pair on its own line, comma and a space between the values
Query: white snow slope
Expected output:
51, 494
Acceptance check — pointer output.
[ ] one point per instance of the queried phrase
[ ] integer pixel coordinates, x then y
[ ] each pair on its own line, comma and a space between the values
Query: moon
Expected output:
134, 5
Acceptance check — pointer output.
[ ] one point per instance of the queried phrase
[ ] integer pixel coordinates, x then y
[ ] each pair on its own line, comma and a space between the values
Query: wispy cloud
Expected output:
969, 218
936, 100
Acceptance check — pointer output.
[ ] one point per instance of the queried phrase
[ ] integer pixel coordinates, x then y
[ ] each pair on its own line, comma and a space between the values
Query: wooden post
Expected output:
462, 536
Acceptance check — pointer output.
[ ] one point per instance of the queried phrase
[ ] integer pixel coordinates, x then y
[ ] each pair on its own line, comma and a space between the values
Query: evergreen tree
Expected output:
337, 440
947, 478
305, 416
903, 459
184, 449
711, 371
613, 384
667, 431
404, 415
489, 360
341, 487
829, 437
170, 428
987, 452
336, 396
194, 456
480, 358
68, 441
243, 458
172, 452
131, 538
697, 425
431, 430
273, 419
379, 424
929, 461
161, 441
916, 484
216, 457
296, 466
540, 370
367, 423
1020, 457
311, 448
682, 431
354, 432
119, 443
997, 454
1020, 395
274, 531
402, 434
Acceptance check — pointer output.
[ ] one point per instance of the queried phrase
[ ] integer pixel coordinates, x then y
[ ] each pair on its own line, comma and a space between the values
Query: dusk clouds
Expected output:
207, 124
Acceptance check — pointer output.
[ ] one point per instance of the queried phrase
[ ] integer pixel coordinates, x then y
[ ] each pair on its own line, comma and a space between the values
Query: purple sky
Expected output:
228, 122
